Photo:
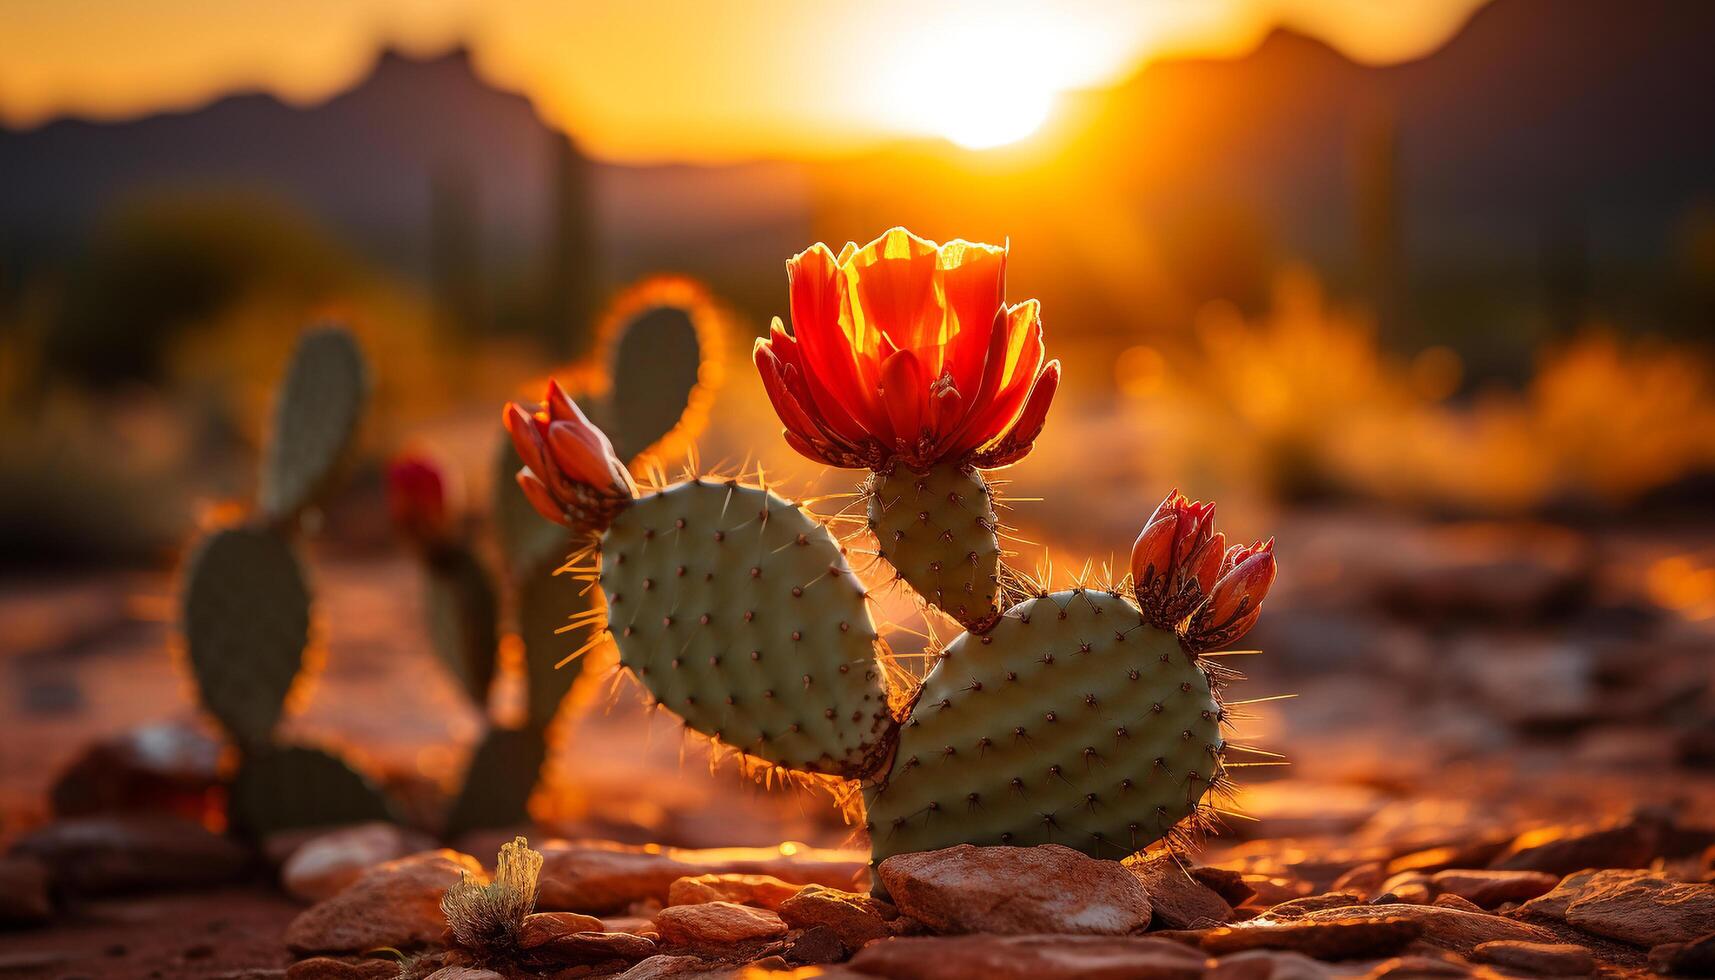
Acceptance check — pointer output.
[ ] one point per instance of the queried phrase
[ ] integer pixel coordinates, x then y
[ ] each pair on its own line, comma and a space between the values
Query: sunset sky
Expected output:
673, 79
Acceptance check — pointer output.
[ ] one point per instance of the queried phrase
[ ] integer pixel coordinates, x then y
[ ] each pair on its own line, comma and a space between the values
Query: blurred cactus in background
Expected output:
246, 617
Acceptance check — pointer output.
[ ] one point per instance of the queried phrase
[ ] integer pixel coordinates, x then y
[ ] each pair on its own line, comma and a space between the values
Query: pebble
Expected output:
661, 966
1489, 888
320, 867
593, 947
716, 924
1177, 900
1029, 958
855, 919
1547, 959
546, 927
602, 878
1016, 890
1339, 940
118, 854
393, 904
1447, 928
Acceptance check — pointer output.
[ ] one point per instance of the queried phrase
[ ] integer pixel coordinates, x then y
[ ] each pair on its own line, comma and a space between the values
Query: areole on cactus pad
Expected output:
1088, 717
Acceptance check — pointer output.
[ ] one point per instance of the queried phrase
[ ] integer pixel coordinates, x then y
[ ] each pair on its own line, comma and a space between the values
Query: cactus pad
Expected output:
938, 530
545, 603
1072, 721
314, 420
499, 780
288, 787
464, 619
246, 621
656, 363
739, 612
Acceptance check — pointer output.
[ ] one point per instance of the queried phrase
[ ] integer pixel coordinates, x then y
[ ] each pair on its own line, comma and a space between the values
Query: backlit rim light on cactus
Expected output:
906, 350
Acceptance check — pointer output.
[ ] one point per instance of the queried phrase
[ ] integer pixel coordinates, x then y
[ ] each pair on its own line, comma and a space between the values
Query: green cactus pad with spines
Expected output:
545, 603
655, 366
499, 780
1072, 721
937, 529
739, 613
315, 420
290, 787
464, 618
246, 622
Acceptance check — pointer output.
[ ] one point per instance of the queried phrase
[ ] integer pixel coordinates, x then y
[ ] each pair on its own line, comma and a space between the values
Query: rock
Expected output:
328, 862
1312, 903
1447, 928
1178, 900
1562, 850
117, 854
1451, 901
766, 891
637, 925
546, 927
1364, 880
166, 767
1269, 890
1225, 882
1418, 966
817, 944
328, 968
603, 877
1409, 886
1267, 964
661, 966
1016, 890
1555, 903
1693, 959
1545, 959
1349, 940
1029, 958
1489, 888
463, 973
24, 898
393, 904
716, 924
592, 947
856, 919
1645, 911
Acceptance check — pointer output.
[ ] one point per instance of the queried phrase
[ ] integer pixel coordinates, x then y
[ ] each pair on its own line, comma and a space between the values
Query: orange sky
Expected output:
673, 79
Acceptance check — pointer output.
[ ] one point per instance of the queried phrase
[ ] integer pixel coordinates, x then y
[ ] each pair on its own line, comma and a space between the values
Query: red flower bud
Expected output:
1236, 599
571, 474
417, 498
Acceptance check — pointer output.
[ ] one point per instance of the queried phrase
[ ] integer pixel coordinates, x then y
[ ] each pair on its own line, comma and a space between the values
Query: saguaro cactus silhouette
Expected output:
1085, 717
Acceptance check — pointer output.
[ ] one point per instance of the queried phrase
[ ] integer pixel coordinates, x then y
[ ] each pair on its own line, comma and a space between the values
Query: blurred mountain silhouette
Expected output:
1550, 161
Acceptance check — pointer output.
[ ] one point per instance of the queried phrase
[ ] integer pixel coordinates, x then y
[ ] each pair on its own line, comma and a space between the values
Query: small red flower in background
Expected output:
417, 498
905, 350
1185, 575
571, 473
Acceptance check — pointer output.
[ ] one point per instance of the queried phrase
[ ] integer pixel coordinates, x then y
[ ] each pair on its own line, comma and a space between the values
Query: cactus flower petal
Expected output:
1235, 600
905, 350
417, 499
571, 474
1186, 578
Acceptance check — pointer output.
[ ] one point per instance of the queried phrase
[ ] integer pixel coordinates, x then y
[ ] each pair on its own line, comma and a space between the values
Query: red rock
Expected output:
855, 919
117, 854
463, 973
1029, 958
546, 927
1267, 890
1420, 965
637, 925
1365, 880
661, 966
1446, 928
1016, 890
1225, 882
318, 868
1490, 888
817, 944
1563, 850
1178, 900
166, 767
1554, 904
1411, 887
601, 877
592, 947
1312, 903
1645, 911
1334, 940
393, 904
1693, 959
328, 968
716, 924
1545, 959
766, 891
1451, 901
1268, 964
24, 898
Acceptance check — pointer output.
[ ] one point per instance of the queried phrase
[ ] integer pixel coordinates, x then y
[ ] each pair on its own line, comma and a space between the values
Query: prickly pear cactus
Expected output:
498, 781
547, 603
288, 787
937, 529
246, 622
464, 618
740, 614
315, 419
657, 361
1072, 721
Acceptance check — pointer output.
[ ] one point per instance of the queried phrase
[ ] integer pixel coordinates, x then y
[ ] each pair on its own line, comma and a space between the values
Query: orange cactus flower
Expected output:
1176, 559
417, 498
905, 350
571, 473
